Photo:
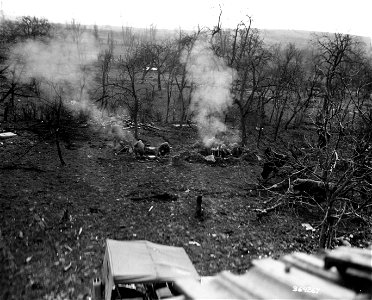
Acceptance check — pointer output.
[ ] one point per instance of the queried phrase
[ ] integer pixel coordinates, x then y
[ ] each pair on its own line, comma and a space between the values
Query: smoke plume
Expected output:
211, 81
61, 65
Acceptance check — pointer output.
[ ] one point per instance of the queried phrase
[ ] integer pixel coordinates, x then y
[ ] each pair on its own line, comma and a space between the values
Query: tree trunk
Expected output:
169, 96
135, 116
272, 113
6, 112
56, 133
59, 147
159, 80
328, 229
278, 122
259, 136
296, 110
243, 129
279, 119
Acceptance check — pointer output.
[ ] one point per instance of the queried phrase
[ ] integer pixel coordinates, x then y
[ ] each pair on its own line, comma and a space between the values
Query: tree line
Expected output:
278, 85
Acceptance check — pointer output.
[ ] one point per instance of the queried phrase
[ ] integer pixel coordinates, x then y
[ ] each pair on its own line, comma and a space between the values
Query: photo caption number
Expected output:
307, 289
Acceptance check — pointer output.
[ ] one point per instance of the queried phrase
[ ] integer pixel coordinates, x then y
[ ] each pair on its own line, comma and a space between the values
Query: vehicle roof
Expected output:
144, 261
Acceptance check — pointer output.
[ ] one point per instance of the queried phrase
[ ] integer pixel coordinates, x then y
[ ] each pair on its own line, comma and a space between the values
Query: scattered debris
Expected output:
67, 267
307, 226
194, 243
7, 135
210, 158
67, 247
265, 211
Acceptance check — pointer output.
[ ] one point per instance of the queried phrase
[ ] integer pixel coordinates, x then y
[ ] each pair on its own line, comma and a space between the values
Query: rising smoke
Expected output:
211, 79
61, 66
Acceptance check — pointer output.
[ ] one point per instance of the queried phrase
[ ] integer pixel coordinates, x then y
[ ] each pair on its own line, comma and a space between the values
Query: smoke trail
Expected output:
62, 67
211, 96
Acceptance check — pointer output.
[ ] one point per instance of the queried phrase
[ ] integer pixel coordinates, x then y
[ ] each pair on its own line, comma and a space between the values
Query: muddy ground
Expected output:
55, 219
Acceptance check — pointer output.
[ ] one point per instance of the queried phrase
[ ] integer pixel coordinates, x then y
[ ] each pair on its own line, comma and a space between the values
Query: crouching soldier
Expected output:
139, 148
164, 149
274, 162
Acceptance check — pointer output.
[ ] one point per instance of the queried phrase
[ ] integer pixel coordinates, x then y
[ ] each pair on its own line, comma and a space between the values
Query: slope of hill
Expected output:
271, 36
299, 37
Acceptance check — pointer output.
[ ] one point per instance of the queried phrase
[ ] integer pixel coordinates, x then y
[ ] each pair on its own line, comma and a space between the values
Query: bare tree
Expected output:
184, 47
250, 58
76, 31
169, 76
105, 62
32, 27
96, 32
11, 85
287, 78
160, 52
338, 63
130, 84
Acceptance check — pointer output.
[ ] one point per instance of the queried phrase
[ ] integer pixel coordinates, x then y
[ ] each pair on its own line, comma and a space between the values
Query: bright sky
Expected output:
354, 17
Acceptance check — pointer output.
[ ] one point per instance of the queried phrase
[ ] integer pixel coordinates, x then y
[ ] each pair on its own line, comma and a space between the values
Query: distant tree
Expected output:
160, 52
286, 80
32, 27
76, 31
306, 93
336, 56
130, 85
184, 46
96, 32
11, 85
249, 57
169, 75
105, 62
11, 89
128, 36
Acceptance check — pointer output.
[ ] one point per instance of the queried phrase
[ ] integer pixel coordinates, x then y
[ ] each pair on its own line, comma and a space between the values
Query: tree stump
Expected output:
199, 211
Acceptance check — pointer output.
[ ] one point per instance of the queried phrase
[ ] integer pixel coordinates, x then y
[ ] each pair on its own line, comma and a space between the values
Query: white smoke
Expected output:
211, 94
62, 66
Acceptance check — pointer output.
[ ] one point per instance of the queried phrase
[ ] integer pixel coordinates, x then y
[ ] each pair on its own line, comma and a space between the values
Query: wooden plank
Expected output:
313, 265
278, 274
345, 257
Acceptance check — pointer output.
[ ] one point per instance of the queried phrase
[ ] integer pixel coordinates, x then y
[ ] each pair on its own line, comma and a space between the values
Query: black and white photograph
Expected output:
185, 150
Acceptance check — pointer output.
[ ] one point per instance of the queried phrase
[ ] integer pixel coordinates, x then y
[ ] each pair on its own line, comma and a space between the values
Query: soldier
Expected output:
164, 149
139, 148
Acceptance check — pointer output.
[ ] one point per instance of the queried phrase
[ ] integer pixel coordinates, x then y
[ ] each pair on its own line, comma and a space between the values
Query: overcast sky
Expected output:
354, 17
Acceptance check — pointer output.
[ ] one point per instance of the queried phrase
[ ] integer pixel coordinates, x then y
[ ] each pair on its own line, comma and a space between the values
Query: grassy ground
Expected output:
55, 220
